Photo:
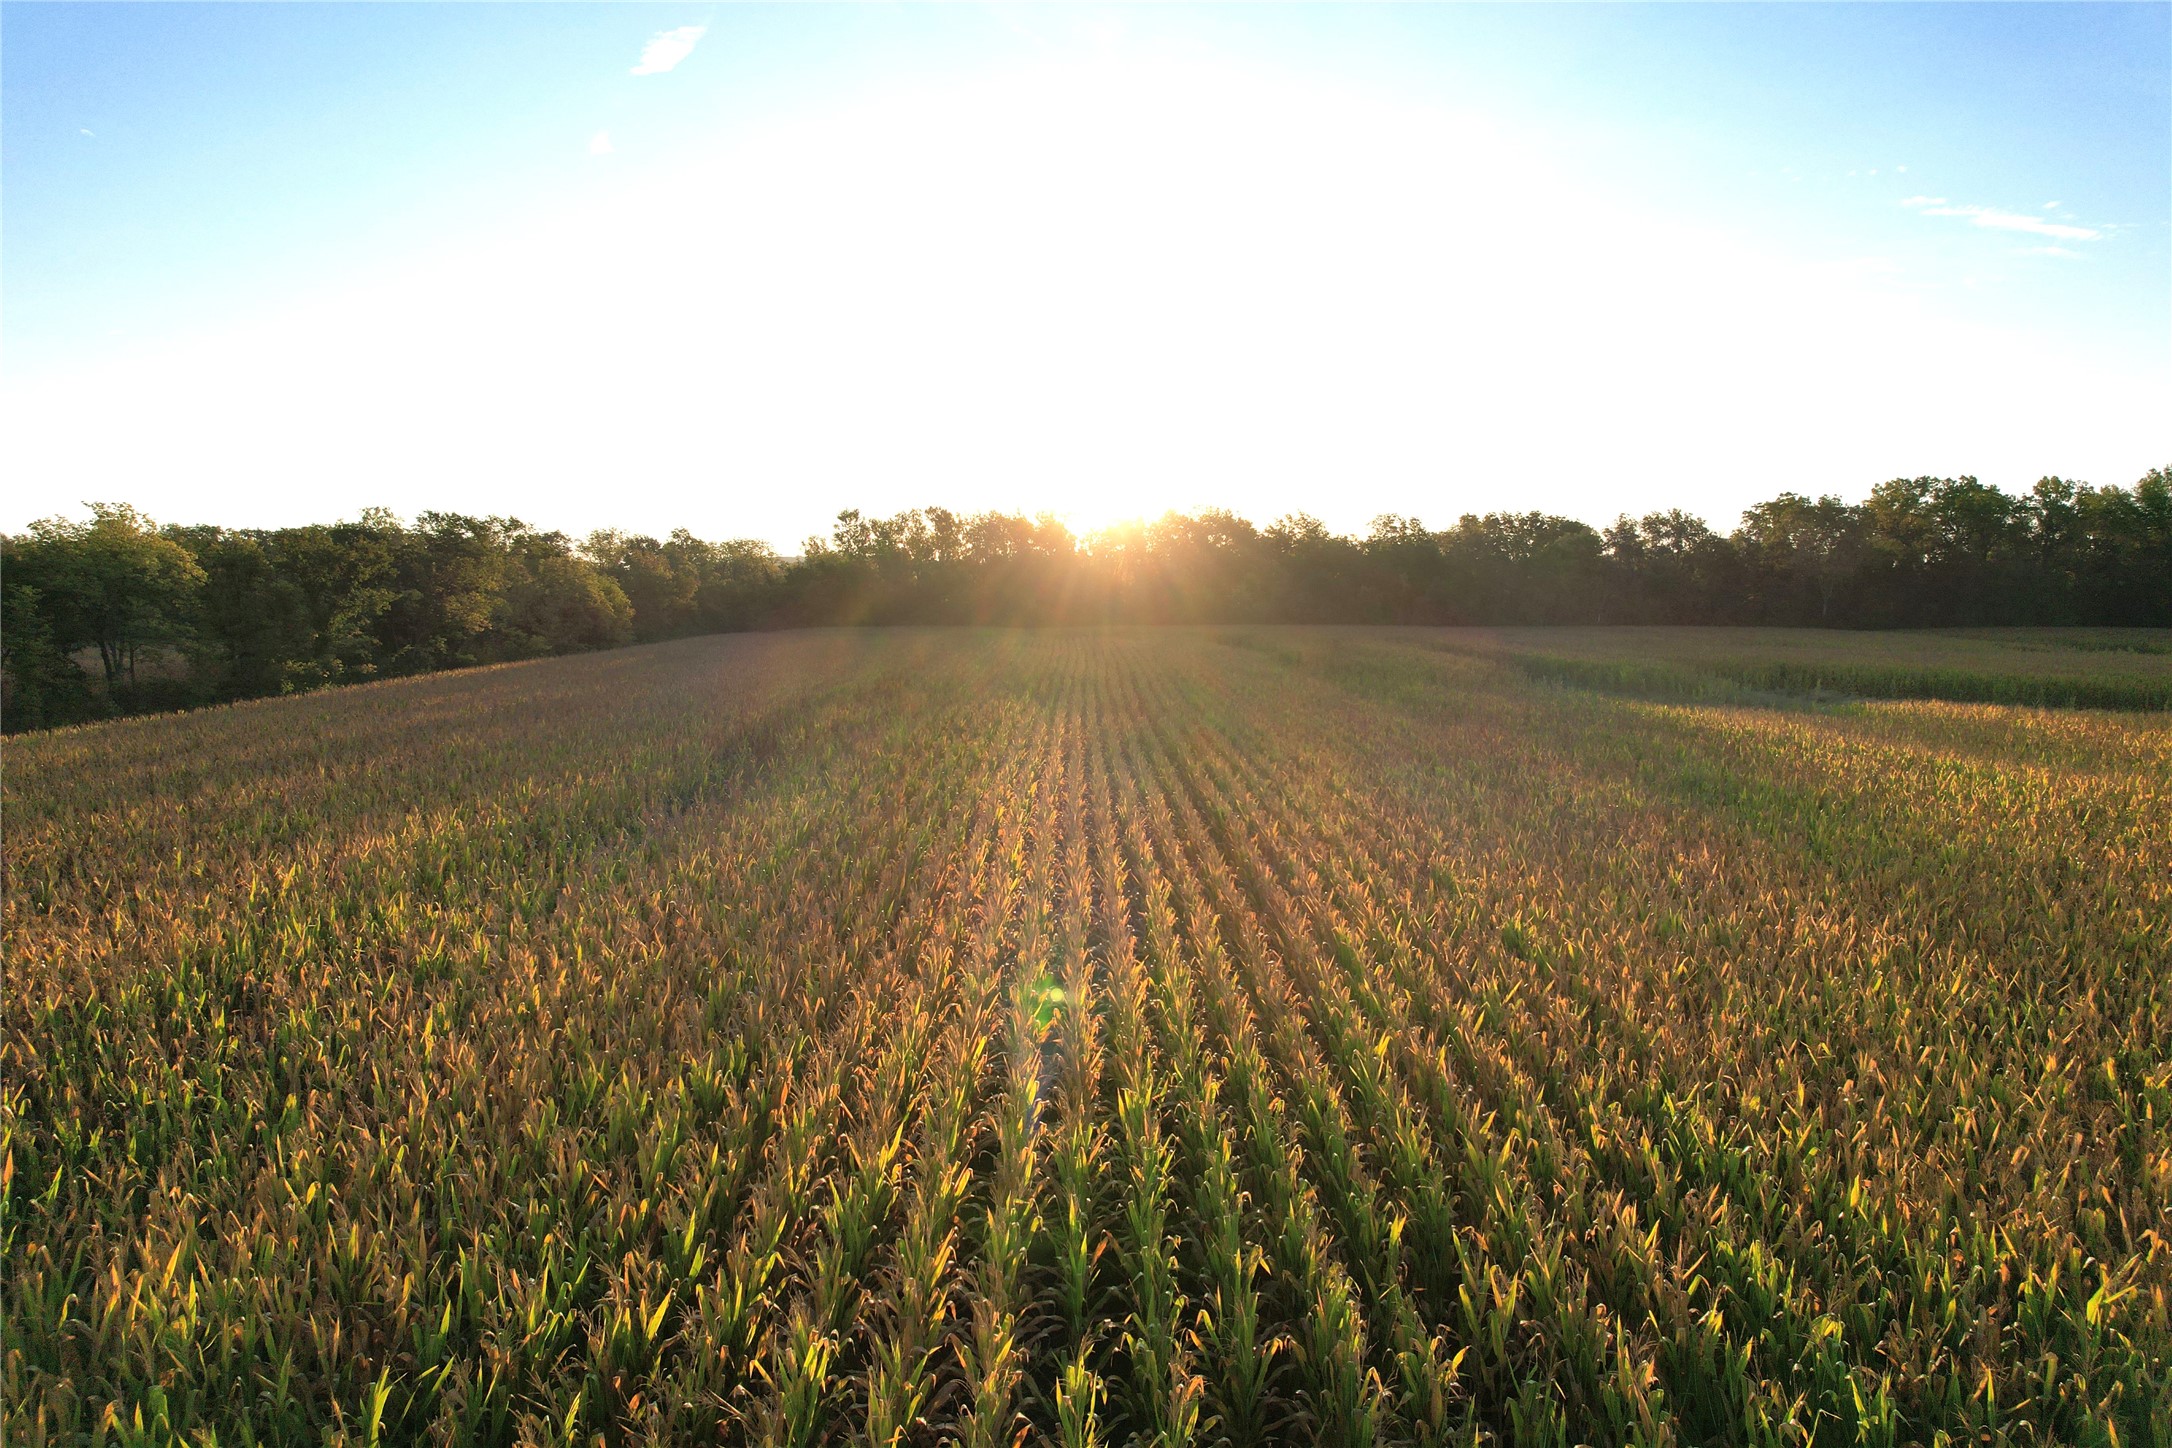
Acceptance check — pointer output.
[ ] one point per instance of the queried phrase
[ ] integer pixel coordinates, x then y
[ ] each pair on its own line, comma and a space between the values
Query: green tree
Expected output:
738, 585
253, 622
112, 582
658, 579
1801, 556
562, 604
43, 686
348, 576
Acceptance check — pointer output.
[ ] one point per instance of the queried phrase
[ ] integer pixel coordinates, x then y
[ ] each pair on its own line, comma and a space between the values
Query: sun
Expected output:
1091, 512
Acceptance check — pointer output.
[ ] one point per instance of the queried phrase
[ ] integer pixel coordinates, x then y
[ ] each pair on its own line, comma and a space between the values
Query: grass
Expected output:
945, 1036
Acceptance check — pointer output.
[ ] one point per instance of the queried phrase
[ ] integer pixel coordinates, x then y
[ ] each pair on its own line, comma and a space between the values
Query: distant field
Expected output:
2103, 668
1182, 1036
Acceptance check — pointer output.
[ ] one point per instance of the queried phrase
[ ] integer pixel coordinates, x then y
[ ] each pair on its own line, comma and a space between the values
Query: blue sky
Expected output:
267, 264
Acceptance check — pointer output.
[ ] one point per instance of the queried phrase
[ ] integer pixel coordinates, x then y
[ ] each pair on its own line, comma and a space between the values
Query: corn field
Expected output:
2109, 668
1176, 1037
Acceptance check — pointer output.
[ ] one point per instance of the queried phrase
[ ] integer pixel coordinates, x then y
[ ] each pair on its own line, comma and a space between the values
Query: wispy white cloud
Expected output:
86, 131
1996, 220
600, 144
666, 48
1993, 219
2066, 252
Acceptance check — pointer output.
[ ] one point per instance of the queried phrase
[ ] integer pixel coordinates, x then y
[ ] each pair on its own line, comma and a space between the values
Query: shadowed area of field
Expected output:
2102, 668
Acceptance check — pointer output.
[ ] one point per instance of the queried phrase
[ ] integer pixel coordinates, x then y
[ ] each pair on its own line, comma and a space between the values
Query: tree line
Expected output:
115, 614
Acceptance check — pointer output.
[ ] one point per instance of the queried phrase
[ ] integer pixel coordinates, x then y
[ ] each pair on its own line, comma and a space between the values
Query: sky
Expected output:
738, 267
